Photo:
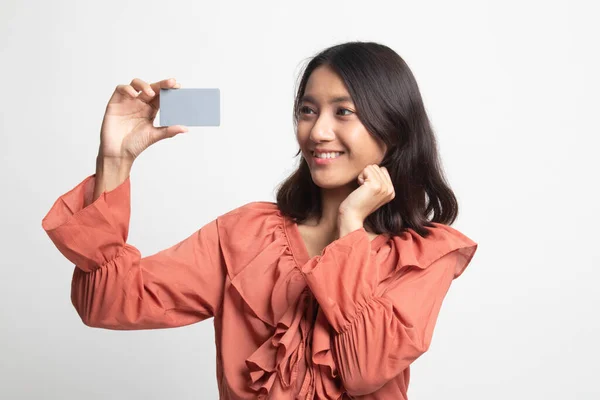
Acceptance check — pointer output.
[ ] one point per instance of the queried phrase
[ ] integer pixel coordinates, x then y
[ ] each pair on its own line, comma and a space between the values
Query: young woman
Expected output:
329, 293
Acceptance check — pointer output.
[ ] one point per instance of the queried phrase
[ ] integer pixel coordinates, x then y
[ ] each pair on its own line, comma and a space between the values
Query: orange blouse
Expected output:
344, 324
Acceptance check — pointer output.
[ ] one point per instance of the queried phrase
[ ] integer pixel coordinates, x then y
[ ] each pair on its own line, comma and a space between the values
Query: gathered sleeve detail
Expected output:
113, 286
378, 330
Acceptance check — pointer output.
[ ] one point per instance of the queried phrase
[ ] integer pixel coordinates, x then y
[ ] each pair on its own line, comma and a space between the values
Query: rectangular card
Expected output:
190, 107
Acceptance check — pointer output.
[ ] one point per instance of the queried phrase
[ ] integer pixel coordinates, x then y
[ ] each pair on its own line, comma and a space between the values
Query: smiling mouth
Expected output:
332, 155
326, 161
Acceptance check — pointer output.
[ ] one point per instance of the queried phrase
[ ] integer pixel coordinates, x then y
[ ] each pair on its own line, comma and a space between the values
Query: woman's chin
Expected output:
333, 183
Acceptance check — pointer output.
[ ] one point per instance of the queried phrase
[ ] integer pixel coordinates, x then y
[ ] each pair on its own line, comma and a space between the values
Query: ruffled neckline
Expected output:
298, 247
271, 282
299, 323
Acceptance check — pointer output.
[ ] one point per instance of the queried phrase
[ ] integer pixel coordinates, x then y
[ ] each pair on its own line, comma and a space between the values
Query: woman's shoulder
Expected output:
267, 207
251, 215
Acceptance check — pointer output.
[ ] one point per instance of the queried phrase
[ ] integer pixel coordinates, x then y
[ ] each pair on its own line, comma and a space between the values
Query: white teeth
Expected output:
326, 155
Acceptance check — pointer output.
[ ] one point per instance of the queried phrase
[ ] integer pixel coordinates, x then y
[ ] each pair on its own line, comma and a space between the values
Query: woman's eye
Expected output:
306, 110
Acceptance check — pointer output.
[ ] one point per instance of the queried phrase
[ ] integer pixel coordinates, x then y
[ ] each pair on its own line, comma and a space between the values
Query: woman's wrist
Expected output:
110, 173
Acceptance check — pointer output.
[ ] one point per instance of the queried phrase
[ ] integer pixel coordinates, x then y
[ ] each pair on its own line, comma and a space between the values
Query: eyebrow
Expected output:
337, 99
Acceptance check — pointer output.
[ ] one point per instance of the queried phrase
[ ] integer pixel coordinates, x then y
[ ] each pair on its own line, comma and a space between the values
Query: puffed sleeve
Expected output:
113, 286
378, 333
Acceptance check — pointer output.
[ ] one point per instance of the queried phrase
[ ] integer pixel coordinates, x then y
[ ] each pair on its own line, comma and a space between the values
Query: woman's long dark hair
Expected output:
389, 104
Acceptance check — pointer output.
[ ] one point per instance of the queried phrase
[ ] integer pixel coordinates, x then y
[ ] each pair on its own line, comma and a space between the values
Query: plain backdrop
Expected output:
511, 88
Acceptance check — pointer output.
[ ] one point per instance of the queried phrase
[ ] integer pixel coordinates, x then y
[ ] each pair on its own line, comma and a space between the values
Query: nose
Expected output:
322, 131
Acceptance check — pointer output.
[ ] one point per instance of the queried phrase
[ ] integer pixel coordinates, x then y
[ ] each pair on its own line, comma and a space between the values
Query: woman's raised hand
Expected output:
127, 128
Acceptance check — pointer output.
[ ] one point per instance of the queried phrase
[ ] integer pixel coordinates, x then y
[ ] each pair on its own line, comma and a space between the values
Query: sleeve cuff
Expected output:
342, 279
92, 235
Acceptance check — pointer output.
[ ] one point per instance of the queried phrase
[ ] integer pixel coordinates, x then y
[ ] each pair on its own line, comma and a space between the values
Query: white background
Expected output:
511, 88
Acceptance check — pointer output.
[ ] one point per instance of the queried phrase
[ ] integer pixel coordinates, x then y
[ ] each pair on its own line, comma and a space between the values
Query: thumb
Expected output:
361, 178
164, 132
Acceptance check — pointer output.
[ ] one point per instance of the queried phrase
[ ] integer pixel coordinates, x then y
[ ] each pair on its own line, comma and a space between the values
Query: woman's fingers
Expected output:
127, 90
164, 84
147, 93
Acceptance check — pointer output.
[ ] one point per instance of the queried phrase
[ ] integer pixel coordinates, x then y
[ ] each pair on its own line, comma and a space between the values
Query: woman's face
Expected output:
328, 123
